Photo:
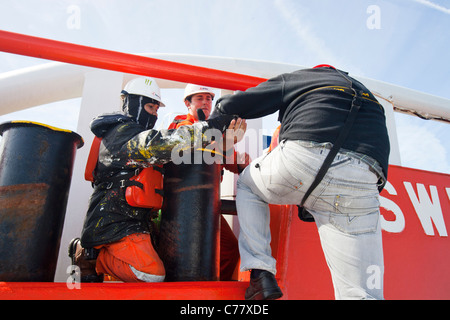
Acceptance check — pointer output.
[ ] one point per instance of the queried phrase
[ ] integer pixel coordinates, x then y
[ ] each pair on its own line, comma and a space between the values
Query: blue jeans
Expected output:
345, 207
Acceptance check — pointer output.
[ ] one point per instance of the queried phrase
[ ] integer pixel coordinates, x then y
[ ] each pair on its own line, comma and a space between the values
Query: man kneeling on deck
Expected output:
117, 235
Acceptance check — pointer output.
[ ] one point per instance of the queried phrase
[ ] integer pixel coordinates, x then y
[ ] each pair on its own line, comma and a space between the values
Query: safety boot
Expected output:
85, 260
263, 286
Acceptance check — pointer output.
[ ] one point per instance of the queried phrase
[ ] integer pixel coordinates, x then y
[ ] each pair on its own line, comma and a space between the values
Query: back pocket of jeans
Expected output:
278, 179
355, 224
355, 215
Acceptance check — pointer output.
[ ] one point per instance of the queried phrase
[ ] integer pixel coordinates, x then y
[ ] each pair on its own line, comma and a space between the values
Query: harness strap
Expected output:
303, 214
356, 104
121, 181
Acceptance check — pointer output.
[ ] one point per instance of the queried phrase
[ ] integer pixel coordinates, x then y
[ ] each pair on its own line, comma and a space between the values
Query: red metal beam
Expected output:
122, 62
193, 290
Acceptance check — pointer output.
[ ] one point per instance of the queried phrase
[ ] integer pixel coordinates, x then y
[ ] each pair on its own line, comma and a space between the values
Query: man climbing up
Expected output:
332, 161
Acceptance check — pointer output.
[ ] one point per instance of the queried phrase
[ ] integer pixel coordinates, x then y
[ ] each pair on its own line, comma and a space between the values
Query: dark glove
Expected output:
220, 122
217, 112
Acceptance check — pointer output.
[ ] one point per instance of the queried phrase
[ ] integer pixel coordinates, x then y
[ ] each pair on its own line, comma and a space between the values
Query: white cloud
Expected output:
296, 20
62, 114
421, 149
315, 45
433, 5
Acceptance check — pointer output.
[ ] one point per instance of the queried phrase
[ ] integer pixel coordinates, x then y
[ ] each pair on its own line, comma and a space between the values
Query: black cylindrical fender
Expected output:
36, 163
189, 234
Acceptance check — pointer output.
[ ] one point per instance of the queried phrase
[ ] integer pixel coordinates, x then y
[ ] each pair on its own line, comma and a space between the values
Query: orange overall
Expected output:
132, 258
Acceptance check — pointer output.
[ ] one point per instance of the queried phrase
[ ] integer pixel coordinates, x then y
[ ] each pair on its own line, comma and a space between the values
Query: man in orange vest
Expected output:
198, 100
117, 234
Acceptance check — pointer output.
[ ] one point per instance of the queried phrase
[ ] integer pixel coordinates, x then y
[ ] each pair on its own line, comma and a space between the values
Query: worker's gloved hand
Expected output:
219, 120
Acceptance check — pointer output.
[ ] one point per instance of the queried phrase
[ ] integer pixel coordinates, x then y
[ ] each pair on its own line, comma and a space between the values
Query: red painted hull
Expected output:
123, 291
416, 263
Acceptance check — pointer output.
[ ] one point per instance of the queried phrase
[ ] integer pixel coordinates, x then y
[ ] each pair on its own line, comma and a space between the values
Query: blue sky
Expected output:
403, 42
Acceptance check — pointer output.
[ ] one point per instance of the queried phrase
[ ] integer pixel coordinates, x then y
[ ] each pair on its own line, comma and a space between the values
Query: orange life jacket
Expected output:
150, 195
275, 138
178, 119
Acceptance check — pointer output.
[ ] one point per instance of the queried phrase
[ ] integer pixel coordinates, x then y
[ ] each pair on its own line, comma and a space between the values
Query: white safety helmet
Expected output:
192, 89
144, 86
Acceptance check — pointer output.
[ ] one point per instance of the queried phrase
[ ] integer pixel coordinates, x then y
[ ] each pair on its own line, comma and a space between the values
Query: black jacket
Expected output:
320, 112
125, 147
